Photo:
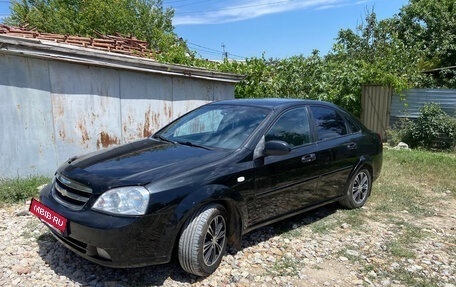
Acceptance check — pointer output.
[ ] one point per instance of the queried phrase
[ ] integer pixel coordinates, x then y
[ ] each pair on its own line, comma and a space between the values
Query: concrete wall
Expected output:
51, 110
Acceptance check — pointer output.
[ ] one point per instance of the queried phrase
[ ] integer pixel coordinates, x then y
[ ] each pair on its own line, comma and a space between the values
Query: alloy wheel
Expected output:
214, 241
360, 187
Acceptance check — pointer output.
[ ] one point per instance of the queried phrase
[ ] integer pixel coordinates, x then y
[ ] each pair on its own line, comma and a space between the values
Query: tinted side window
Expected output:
352, 126
292, 127
329, 123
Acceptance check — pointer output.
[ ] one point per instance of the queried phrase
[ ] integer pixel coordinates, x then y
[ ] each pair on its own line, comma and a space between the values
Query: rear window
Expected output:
329, 123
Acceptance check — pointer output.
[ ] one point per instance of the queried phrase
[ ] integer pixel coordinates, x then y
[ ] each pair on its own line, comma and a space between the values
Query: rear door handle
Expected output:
309, 157
352, 146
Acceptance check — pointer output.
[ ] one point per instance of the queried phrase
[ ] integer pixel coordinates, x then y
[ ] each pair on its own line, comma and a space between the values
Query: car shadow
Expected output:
281, 227
77, 269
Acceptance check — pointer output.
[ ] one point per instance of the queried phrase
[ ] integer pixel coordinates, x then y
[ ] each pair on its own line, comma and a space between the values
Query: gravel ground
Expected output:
314, 249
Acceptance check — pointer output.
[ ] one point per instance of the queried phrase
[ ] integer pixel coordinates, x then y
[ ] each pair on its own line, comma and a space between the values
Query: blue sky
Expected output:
277, 28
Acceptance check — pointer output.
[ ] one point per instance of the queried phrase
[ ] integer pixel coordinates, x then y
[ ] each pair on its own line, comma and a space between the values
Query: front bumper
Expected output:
114, 241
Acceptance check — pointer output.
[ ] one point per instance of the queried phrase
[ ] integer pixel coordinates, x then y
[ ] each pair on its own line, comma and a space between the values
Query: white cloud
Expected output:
243, 10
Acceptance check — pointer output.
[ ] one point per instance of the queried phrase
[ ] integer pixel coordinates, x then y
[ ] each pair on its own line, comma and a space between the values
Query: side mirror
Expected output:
276, 148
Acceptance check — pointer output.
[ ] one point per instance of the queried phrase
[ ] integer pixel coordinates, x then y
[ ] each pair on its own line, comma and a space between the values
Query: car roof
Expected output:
272, 103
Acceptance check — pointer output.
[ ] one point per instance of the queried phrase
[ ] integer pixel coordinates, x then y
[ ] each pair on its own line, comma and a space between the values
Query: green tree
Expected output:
429, 26
379, 53
370, 54
258, 77
144, 19
373, 53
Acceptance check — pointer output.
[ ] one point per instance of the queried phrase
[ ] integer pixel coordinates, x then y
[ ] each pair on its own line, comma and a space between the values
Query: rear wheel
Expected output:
358, 190
202, 243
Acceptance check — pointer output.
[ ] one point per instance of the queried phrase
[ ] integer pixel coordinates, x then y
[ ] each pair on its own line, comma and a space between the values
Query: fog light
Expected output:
103, 253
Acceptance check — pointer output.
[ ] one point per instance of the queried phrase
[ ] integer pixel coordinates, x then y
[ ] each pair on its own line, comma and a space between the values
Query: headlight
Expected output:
129, 200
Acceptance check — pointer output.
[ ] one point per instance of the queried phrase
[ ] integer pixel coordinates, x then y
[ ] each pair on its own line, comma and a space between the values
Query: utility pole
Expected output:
224, 54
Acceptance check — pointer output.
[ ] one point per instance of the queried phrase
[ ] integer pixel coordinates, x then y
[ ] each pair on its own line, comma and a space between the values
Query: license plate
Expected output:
48, 215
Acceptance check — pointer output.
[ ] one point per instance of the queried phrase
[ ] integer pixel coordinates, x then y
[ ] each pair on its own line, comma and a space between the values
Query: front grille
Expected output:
70, 193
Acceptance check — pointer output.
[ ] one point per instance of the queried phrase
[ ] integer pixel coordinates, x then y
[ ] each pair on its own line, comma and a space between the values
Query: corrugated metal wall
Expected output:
414, 99
376, 103
51, 110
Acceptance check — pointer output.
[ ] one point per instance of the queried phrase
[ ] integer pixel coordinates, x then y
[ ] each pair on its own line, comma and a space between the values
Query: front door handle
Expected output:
352, 146
309, 157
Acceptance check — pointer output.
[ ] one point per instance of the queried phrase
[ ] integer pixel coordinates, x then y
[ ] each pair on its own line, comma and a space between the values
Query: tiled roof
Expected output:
116, 44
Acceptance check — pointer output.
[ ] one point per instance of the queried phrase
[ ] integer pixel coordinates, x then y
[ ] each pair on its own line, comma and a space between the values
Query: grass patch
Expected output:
410, 180
432, 170
408, 234
292, 233
354, 217
20, 189
452, 245
412, 184
287, 266
394, 197
324, 225
350, 253
399, 249
413, 279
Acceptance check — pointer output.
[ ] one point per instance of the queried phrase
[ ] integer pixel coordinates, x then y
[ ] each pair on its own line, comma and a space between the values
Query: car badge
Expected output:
63, 192
64, 180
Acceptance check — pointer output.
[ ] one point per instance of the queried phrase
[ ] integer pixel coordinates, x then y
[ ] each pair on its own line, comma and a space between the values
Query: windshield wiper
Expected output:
162, 138
193, 145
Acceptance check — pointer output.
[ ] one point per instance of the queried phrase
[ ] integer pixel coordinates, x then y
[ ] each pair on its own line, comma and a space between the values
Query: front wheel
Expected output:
358, 189
202, 243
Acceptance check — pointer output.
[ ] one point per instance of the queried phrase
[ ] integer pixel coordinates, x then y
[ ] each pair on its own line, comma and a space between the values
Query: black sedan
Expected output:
207, 178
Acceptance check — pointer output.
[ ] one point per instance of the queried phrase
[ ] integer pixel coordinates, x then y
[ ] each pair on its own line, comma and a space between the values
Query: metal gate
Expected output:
376, 107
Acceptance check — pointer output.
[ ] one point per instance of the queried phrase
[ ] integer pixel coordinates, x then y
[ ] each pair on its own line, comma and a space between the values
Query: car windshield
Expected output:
215, 126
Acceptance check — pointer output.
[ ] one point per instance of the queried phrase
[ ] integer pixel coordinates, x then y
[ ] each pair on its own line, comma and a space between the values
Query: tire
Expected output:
202, 243
358, 190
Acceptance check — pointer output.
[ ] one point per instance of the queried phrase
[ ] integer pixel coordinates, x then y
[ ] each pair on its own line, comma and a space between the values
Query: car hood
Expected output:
137, 163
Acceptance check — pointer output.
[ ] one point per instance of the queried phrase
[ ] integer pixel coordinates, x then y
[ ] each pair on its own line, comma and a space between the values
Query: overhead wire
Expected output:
199, 48
206, 51
212, 51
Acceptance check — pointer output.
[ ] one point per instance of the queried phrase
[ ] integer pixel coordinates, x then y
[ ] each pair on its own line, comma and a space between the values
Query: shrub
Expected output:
433, 130
398, 132
17, 190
